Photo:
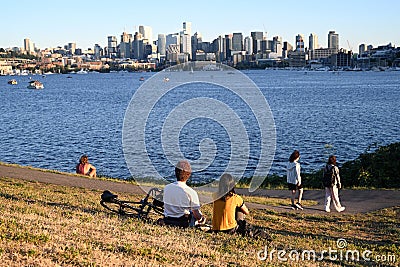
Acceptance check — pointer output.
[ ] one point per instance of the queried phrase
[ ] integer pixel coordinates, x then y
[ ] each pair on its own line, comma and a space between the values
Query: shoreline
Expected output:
372, 199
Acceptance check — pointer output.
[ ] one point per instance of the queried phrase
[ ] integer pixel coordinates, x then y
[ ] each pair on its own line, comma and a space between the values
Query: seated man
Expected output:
181, 202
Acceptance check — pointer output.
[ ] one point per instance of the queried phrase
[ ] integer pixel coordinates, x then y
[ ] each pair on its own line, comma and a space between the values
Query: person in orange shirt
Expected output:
229, 209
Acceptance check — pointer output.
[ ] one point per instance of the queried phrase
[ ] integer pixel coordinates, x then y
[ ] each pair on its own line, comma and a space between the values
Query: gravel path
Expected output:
355, 201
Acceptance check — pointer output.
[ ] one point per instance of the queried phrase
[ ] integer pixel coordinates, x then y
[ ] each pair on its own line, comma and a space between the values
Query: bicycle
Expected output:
151, 204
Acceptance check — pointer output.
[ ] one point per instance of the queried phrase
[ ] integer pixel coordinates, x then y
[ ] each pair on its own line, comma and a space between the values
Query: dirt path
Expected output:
355, 201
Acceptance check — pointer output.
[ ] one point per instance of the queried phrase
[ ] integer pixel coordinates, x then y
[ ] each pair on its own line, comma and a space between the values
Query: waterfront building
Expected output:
341, 59
300, 43
333, 40
321, 53
5, 68
161, 44
312, 41
297, 59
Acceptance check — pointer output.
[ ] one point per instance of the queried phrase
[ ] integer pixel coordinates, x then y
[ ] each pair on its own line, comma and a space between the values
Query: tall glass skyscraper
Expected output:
333, 40
312, 41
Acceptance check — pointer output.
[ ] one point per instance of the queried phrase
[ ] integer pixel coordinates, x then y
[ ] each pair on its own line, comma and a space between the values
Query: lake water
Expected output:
318, 113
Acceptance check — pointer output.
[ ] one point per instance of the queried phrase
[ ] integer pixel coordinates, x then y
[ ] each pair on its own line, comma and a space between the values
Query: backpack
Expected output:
328, 180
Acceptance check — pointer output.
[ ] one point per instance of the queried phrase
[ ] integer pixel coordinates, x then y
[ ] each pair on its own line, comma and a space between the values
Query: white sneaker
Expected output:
299, 206
327, 209
341, 209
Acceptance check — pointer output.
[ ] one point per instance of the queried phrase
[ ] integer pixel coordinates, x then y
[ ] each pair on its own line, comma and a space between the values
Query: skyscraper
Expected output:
112, 45
257, 37
161, 44
300, 43
333, 40
248, 45
361, 49
187, 28
97, 51
186, 44
197, 41
277, 45
237, 41
312, 41
28, 46
147, 34
138, 48
125, 47
173, 39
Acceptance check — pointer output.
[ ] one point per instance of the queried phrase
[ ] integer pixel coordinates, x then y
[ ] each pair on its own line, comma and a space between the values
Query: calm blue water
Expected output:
318, 113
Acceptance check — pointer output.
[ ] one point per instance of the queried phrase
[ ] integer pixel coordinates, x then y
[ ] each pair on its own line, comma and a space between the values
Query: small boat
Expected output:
141, 79
35, 85
82, 71
166, 79
13, 82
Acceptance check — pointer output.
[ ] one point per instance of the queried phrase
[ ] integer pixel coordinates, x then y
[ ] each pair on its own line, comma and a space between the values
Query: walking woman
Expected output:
294, 179
331, 181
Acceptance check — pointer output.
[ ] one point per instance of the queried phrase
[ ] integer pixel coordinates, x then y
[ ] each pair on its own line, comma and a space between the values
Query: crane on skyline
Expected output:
265, 31
350, 47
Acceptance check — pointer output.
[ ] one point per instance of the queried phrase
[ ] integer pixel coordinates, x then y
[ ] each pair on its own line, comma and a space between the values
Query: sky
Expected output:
89, 22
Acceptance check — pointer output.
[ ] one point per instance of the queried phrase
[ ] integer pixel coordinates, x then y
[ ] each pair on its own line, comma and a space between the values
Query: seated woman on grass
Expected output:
85, 168
229, 209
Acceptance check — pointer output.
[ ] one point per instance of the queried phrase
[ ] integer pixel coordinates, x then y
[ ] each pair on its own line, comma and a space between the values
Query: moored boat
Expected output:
35, 85
13, 81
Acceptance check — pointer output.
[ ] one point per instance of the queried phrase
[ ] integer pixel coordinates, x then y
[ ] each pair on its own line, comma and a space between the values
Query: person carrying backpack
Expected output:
331, 181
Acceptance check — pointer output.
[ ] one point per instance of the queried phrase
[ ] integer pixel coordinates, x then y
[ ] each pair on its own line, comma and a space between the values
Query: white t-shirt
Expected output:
179, 199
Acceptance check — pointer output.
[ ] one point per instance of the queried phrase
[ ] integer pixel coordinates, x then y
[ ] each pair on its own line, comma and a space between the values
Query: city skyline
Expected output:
88, 23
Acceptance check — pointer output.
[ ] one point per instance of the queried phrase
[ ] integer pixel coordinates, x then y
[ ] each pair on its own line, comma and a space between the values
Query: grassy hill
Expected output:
49, 225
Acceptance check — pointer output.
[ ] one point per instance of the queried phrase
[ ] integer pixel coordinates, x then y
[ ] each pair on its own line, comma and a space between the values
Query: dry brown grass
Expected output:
48, 225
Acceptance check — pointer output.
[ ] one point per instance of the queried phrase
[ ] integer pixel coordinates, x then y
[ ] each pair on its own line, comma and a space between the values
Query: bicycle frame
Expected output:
138, 209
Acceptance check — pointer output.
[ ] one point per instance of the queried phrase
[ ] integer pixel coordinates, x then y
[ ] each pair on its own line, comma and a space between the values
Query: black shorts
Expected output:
183, 221
294, 186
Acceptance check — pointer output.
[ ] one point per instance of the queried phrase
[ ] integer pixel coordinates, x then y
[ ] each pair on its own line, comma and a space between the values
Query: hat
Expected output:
184, 165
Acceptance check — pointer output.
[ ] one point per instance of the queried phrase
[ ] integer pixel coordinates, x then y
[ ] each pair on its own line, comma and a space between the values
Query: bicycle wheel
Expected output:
122, 208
